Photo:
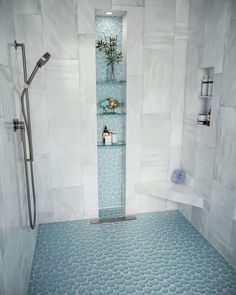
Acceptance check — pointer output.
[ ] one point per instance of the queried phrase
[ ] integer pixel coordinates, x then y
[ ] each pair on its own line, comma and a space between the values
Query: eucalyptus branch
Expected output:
109, 46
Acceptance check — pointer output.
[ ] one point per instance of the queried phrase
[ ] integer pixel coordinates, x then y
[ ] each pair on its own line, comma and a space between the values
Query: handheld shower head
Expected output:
40, 63
43, 60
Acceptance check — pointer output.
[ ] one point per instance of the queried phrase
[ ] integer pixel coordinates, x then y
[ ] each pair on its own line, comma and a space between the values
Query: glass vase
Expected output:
111, 72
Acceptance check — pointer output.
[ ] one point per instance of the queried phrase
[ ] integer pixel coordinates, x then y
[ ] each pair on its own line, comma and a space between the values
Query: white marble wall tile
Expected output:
214, 30
151, 204
228, 91
156, 99
194, 60
60, 28
87, 71
189, 143
128, 3
159, 23
181, 31
179, 63
39, 121
102, 4
32, 36
177, 108
133, 201
203, 173
65, 146
86, 16
200, 220
155, 134
182, 11
221, 216
41, 143
233, 9
196, 23
157, 70
17, 241
1, 108
171, 205
90, 187
225, 161
174, 159
186, 211
155, 168
63, 114
62, 80
68, 203
27, 6
38, 108
43, 186
7, 18
134, 111
89, 134
135, 31
2, 287
7, 31
133, 164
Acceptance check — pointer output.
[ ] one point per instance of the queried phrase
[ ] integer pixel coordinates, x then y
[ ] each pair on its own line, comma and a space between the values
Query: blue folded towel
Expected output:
178, 176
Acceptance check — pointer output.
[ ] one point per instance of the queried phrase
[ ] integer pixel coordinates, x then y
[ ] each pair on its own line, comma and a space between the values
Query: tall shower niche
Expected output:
111, 92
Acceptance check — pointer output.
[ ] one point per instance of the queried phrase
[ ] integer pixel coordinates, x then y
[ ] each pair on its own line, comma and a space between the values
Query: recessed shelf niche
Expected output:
205, 96
111, 88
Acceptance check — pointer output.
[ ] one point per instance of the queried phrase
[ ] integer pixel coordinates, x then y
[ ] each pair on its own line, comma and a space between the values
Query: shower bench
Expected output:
179, 193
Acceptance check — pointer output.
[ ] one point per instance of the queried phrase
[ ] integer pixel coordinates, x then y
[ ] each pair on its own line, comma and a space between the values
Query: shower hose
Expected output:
26, 132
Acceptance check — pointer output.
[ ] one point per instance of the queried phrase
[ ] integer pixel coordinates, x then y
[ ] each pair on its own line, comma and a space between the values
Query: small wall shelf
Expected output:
119, 143
111, 114
205, 96
111, 82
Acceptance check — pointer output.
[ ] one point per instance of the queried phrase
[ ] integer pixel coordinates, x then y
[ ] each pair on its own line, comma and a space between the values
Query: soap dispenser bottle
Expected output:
204, 86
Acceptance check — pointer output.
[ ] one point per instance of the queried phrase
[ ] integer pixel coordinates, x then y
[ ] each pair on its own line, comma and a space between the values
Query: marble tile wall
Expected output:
17, 241
63, 104
209, 153
165, 47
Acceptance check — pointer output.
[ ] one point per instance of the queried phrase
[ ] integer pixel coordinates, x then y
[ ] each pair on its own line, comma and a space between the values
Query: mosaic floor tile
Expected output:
159, 253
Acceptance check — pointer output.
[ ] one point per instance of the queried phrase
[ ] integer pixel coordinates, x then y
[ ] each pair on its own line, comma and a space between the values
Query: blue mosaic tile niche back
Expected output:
111, 160
159, 253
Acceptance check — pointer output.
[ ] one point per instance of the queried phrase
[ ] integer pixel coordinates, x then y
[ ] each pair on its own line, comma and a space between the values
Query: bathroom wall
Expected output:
209, 153
17, 241
156, 61
63, 99
63, 105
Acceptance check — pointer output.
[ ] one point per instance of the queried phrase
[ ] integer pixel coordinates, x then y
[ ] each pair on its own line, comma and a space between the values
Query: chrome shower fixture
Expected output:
40, 63
25, 128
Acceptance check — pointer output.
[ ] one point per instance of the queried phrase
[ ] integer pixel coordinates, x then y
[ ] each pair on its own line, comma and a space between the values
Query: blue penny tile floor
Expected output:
159, 253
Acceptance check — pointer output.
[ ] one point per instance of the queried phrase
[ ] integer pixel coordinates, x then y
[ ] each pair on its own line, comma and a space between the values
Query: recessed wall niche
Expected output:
205, 96
111, 112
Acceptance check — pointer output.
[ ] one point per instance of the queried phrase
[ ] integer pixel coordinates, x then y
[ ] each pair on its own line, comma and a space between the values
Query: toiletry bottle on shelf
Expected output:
209, 117
204, 86
108, 138
104, 134
114, 138
210, 87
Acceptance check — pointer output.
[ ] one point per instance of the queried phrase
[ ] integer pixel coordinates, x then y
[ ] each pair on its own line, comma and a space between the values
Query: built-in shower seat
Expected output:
179, 193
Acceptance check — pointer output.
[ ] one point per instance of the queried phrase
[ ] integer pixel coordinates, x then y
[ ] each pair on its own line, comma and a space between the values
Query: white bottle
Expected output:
114, 138
210, 87
108, 139
204, 88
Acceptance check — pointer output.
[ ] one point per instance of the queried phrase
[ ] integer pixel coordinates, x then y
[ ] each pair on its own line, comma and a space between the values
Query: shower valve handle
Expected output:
18, 125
